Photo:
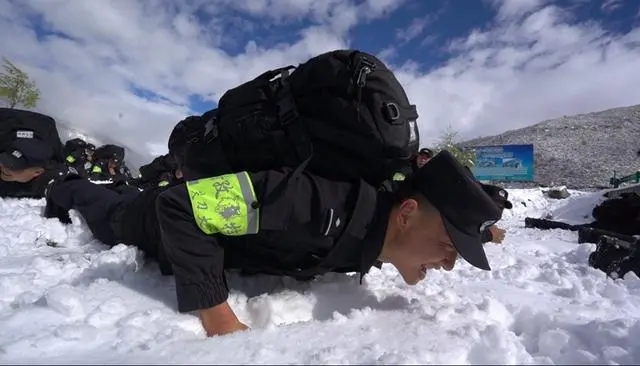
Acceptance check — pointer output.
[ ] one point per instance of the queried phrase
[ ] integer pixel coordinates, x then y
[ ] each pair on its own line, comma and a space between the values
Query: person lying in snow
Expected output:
437, 214
615, 230
77, 154
108, 164
255, 200
118, 216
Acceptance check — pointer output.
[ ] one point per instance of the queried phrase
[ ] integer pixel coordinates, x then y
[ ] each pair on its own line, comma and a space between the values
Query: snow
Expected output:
66, 298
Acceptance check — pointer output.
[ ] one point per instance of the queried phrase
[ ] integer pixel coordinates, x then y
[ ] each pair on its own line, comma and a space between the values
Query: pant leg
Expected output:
94, 202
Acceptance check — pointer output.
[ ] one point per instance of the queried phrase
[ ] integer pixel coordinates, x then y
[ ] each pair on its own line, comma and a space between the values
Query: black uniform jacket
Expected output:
308, 226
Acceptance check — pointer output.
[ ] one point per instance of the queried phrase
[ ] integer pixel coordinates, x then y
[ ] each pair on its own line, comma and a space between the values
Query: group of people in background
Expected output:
32, 154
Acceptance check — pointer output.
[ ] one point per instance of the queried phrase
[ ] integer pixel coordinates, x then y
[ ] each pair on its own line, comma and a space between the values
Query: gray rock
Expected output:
580, 151
558, 193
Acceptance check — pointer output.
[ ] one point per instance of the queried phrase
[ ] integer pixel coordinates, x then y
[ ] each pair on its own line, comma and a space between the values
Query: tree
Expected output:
16, 86
448, 141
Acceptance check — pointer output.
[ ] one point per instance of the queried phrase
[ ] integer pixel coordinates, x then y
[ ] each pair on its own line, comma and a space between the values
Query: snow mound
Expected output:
64, 297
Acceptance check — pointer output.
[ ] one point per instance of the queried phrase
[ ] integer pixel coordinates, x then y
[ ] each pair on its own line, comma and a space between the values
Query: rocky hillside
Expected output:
580, 151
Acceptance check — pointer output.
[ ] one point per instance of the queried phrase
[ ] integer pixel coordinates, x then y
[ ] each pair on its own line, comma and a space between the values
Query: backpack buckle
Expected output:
364, 68
391, 111
210, 131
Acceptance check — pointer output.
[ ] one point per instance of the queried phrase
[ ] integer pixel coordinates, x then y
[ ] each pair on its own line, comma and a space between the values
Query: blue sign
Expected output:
513, 163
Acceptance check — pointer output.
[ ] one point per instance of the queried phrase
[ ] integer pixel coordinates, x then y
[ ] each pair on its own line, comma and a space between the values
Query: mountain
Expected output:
579, 151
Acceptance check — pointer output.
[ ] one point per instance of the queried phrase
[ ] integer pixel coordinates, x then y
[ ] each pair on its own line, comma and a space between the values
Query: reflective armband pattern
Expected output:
225, 204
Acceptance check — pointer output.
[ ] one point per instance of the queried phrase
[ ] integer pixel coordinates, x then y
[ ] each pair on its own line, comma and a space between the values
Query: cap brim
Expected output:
12, 162
469, 246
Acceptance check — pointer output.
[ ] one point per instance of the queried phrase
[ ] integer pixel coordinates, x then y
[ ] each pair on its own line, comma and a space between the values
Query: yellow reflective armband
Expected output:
225, 204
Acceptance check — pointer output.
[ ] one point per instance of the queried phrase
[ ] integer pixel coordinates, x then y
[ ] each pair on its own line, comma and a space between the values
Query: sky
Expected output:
132, 69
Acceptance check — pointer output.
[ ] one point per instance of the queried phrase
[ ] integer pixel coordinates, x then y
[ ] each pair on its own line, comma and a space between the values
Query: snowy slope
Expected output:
581, 150
79, 302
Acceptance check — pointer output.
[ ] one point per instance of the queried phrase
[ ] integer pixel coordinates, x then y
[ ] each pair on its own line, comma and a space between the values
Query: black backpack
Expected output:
620, 214
343, 115
15, 123
616, 257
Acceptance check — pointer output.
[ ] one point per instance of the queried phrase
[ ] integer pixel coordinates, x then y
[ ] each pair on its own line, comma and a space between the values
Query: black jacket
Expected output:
135, 222
311, 227
78, 160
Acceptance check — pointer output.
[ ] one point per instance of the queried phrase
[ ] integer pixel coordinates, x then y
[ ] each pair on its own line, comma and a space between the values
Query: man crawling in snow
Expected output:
250, 201
434, 216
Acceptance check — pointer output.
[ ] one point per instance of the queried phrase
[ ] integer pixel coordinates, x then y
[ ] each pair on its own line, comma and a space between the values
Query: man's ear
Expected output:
38, 171
406, 211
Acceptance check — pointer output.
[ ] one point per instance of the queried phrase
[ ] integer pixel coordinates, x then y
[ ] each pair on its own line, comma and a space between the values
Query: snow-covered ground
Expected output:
80, 302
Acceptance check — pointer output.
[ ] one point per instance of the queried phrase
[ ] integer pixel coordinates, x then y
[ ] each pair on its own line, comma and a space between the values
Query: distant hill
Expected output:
579, 151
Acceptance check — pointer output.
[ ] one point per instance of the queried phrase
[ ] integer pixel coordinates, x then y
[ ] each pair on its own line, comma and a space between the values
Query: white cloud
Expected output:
413, 30
99, 51
525, 69
510, 9
530, 65
609, 6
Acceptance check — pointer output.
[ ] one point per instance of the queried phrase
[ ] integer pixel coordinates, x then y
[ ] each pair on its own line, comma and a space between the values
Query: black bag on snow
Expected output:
15, 123
620, 214
616, 257
343, 115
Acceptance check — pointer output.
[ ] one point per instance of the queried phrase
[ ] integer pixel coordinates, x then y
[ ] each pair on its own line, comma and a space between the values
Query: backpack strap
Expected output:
289, 116
354, 233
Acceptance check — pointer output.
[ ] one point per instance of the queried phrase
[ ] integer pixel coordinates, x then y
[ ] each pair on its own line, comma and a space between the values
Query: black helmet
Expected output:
109, 151
426, 151
74, 144
185, 131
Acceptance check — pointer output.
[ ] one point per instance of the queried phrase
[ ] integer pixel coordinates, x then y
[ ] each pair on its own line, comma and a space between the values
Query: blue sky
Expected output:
418, 32
129, 70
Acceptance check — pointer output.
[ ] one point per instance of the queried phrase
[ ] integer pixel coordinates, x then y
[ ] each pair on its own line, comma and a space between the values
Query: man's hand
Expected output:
220, 320
497, 234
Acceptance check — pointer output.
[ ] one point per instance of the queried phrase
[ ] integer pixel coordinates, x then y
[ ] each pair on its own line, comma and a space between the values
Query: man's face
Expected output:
112, 165
20, 176
420, 242
422, 159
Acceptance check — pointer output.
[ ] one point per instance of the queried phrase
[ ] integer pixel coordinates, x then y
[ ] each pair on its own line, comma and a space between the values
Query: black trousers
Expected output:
96, 203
